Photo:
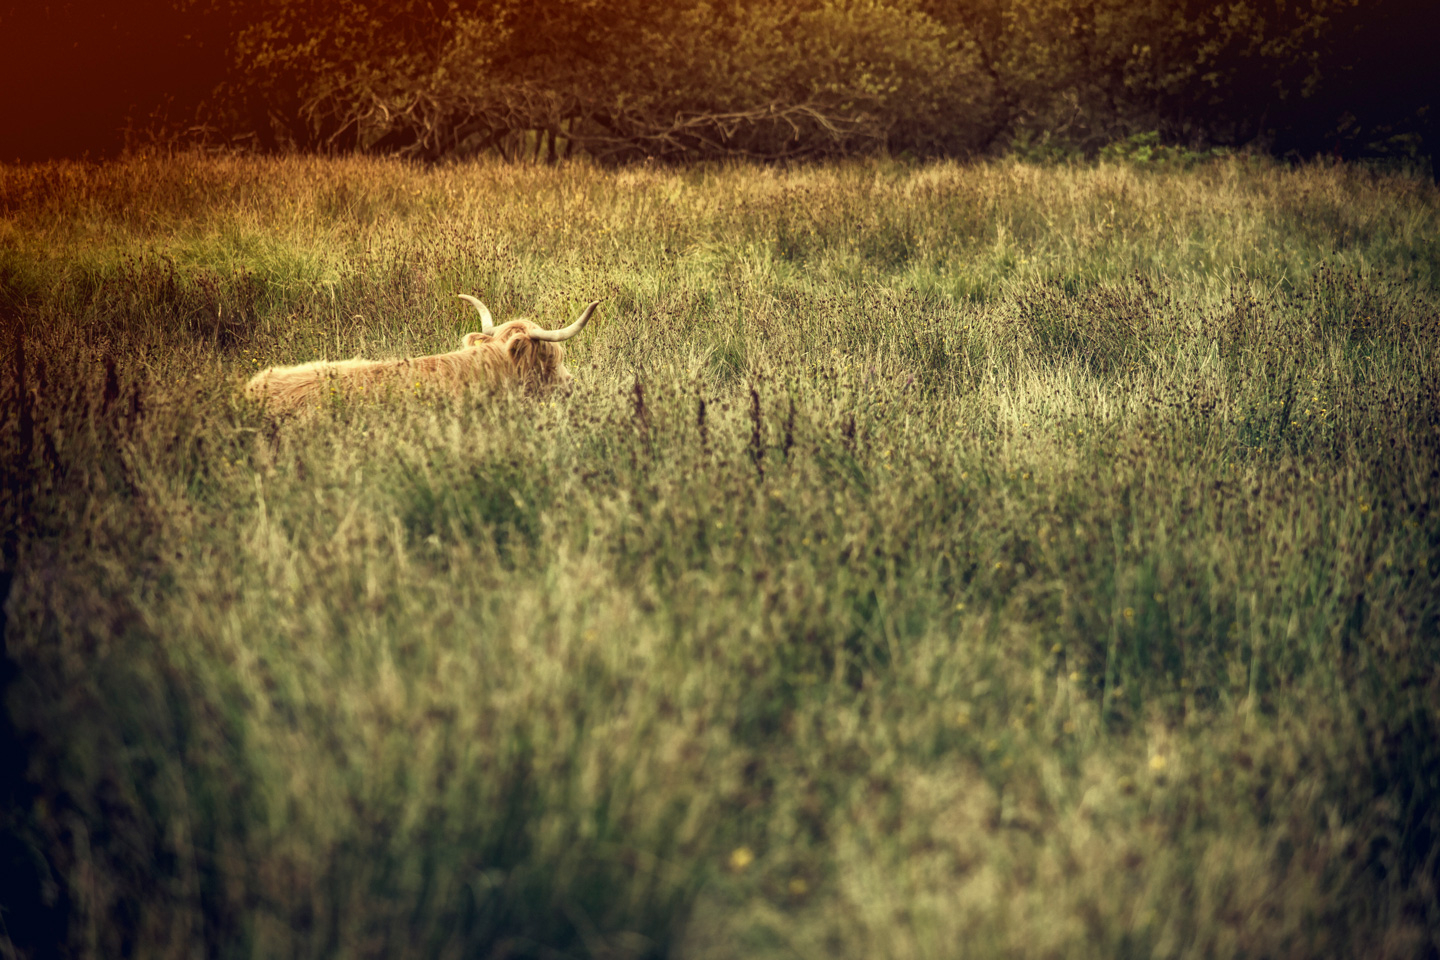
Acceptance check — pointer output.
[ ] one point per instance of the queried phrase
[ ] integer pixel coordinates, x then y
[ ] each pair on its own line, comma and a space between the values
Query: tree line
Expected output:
622, 80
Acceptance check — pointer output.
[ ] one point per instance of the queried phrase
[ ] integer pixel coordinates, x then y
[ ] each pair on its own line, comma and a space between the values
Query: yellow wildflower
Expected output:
741, 857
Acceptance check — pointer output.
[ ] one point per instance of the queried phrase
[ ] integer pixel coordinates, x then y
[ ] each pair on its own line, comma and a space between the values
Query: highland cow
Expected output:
516, 353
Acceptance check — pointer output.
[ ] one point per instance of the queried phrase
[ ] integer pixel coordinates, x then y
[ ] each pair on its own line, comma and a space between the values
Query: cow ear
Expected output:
472, 338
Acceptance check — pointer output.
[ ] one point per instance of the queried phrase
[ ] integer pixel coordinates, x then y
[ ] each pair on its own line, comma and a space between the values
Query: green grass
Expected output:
929, 561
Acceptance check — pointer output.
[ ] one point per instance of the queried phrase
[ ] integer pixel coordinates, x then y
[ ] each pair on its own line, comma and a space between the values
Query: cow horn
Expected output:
487, 322
555, 336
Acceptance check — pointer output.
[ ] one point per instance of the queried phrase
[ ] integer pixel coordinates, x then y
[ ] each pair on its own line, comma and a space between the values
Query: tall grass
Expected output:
928, 561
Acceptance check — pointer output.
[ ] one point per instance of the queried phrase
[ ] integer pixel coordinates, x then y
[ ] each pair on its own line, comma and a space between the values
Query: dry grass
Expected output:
929, 561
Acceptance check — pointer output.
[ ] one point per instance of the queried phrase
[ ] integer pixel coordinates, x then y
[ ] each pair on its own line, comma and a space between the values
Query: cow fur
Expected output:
507, 357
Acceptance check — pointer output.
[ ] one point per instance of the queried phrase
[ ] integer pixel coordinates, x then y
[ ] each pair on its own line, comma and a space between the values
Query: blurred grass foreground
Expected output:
929, 561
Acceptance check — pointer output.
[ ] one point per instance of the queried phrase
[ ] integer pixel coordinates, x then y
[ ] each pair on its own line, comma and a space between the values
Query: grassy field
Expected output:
930, 561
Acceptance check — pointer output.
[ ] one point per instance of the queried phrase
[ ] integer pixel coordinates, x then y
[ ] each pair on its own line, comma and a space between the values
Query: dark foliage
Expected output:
623, 80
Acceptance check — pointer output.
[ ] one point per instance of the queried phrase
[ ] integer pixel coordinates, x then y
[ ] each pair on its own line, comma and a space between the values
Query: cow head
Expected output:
534, 353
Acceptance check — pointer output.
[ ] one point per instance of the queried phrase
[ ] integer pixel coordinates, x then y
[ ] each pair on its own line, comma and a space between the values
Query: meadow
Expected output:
986, 560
